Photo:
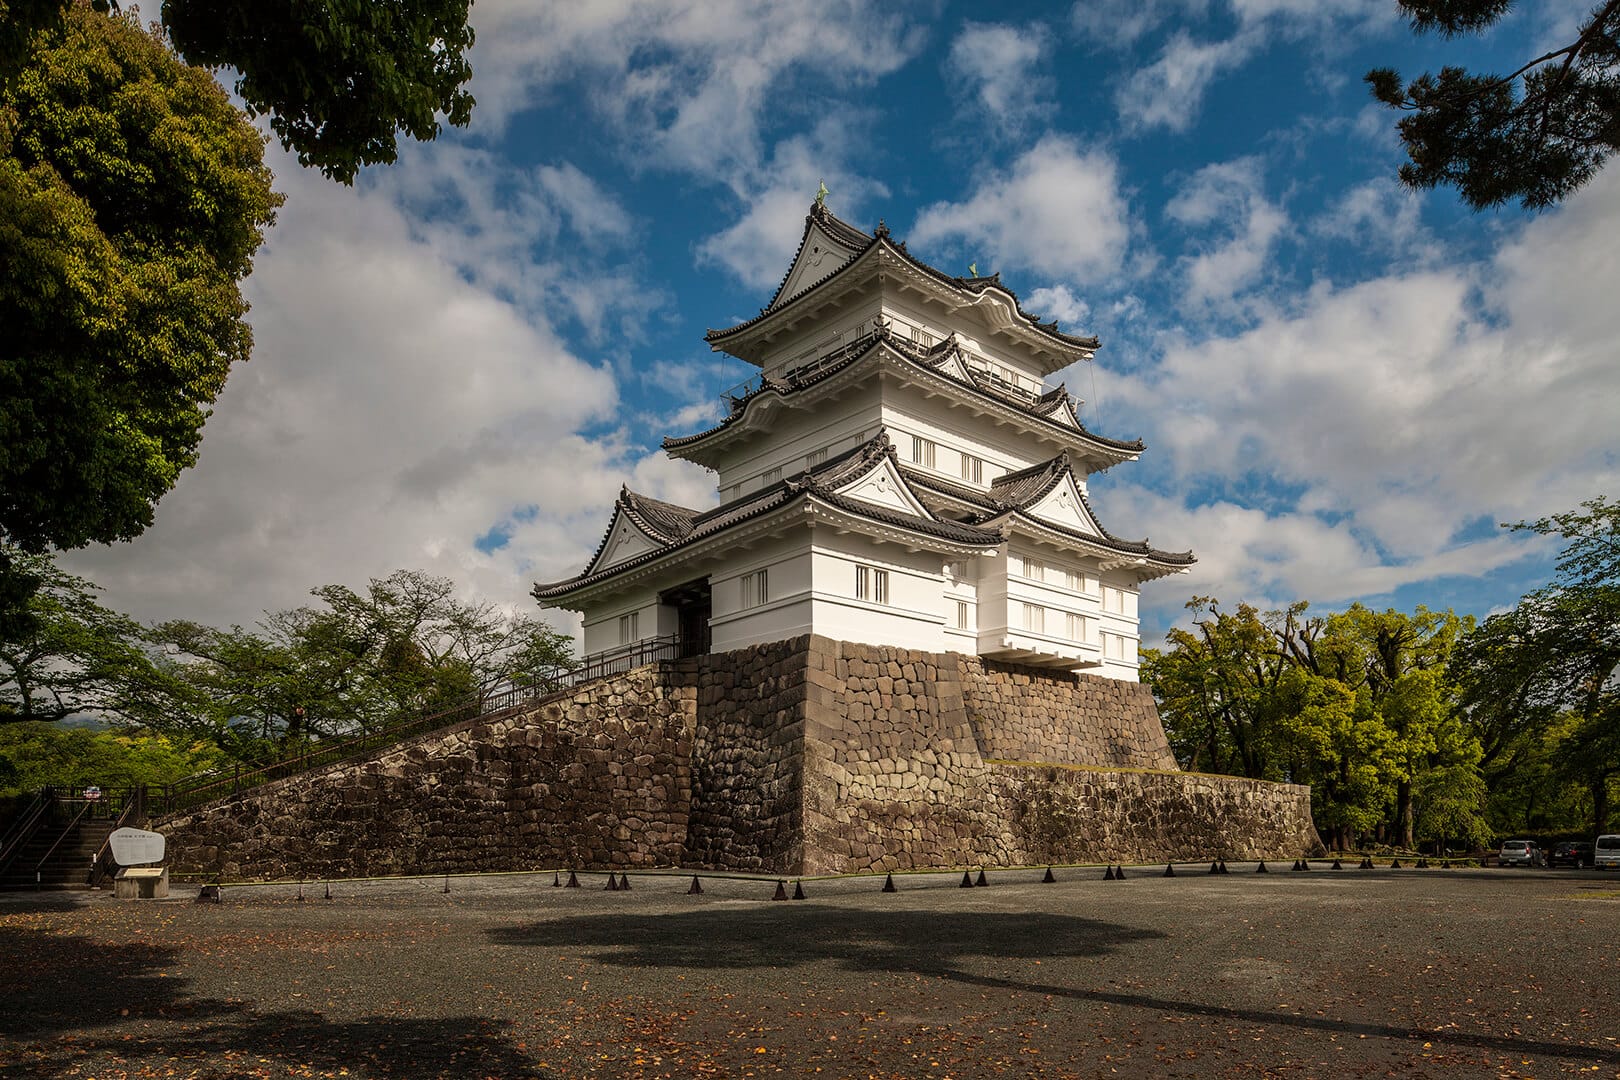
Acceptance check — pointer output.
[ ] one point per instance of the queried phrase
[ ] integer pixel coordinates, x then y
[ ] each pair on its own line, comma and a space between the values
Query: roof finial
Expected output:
973, 268
821, 194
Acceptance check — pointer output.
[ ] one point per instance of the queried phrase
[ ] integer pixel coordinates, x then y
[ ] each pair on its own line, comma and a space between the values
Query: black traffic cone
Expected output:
1224, 870
697, 887
1119, 873
1214, 868
624, 882
798, 890
781, 890
1048, 879
573, 882
556, 879
1305, 864
1261, 869
1396, 865
1108, 875
1337, 865
612, 885
1169, 870
981, 880
967, 880
888, 884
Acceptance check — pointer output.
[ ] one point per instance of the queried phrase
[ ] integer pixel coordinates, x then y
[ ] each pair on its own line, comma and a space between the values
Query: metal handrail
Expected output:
68, 828
24, 826
101, 863
512, 693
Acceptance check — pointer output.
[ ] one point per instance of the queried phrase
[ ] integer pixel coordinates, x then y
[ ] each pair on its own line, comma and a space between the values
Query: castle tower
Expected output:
896, 474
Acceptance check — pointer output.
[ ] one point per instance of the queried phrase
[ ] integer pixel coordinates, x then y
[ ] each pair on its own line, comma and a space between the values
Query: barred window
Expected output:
755, 589
872, 584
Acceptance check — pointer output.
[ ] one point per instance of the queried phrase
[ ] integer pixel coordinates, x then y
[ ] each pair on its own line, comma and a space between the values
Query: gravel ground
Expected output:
1349, 973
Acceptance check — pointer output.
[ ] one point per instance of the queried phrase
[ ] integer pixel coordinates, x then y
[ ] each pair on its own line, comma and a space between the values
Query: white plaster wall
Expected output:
906, 310
834, 426
601, 631
786, 612
912, 618
907, 412
817, 337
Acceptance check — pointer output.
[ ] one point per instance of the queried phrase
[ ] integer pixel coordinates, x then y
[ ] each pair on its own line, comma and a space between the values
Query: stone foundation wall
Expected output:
603, 779
1036, 714
746, 751
799, 757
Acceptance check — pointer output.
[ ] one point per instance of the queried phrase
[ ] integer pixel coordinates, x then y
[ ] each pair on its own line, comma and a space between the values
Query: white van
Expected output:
1606, 852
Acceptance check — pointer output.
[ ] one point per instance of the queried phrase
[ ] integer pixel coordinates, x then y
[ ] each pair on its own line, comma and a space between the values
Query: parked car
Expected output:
1606, 854
1519, 853
1576, 853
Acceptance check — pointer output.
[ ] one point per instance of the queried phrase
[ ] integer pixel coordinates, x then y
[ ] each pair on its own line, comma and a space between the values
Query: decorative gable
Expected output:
1064, 506
883, 486
624, 542
819, 255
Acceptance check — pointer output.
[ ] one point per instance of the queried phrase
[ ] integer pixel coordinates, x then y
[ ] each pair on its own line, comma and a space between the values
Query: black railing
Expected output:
25, 825
525, 692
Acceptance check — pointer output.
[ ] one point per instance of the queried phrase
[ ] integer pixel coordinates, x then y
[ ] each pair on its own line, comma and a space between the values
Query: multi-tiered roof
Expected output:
868, 489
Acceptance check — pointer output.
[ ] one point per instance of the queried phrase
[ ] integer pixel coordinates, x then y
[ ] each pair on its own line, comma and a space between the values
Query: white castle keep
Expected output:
896, 474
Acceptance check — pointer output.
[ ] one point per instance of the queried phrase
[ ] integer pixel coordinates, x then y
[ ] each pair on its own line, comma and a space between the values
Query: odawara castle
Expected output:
903, 639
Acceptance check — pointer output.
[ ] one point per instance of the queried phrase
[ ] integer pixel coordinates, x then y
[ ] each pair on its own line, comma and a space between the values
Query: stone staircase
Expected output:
57, 856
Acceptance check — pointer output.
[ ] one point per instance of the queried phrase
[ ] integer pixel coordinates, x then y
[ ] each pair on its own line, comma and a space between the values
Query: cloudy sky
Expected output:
1344, 386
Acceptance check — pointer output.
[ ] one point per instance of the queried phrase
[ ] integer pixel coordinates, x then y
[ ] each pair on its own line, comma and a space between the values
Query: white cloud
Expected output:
393, 410
999, 68
1117, 24
1230, 197
1058, 302
683, 83
1057, 212
1404, 408
1169, 92
1379, 216
759, 245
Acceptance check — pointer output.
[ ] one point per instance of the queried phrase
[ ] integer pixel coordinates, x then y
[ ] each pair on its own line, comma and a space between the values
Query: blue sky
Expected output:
1344, 386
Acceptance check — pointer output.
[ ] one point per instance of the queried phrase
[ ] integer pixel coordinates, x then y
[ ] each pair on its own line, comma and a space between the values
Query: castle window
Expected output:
923, 451
627, 628
1076, 627
755, 589
922, 337
815, 457
772, 475
1035, 618
1035, 570
1113, 600
872, 584
964, 616
972, 469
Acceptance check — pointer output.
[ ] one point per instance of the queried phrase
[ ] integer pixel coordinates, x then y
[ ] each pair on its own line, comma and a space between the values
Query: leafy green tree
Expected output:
357, 661
36, 755
1535, 134
79, 658
133, 196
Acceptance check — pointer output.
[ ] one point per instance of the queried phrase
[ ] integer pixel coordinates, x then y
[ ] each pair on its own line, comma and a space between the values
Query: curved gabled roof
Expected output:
1012, 495
820, 484
861, 244
1044, 409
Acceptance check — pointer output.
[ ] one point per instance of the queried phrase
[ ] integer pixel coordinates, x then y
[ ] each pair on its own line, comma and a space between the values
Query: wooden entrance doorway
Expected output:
693, 608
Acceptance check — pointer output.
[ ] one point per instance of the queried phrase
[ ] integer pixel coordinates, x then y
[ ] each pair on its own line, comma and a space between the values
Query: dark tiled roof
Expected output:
1011, 496
934, 358
817, 483
840, 230
664, 520
846, 233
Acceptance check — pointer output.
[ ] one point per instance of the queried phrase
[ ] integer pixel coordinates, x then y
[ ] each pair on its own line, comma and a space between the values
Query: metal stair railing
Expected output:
24, 826
529, 692
67, 830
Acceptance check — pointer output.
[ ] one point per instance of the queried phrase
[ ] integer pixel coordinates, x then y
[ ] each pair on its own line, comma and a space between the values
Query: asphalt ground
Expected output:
1332, 973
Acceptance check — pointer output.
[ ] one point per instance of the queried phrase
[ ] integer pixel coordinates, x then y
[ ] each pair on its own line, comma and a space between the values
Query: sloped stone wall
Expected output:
602, 780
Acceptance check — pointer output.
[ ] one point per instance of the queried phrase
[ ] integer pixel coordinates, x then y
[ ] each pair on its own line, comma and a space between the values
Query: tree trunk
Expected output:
1401, 830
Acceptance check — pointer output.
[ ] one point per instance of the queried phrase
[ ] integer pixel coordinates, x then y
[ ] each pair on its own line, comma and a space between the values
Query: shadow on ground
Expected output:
70, 1005
790, 935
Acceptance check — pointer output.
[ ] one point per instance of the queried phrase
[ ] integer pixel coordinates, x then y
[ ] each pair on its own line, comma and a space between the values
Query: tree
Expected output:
1534, 135
80, 658
339, 79
36, 755
356, 662
133, 196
